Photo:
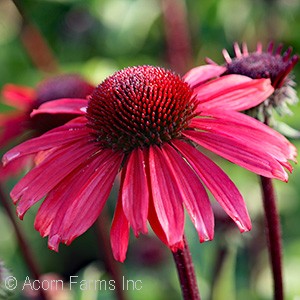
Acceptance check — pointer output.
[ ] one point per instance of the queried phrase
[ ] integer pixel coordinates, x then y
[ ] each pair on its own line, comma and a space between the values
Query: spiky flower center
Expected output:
138, 107
63, 86
272, 64
261, 65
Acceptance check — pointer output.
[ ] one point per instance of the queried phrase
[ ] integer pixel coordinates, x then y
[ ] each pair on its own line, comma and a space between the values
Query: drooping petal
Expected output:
241, 153
233, 92
119, 233
12, 126
166, 196
53, 138
72, 106
20, 97
45, 176
135, 194
68, 188
14, 168
152, 215
158, 230
193, 193
220, 185
246, 129
199, 75
80, 212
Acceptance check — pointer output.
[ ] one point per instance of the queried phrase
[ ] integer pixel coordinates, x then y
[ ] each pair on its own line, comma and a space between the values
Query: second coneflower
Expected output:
265, 64
146, 122
17, 124
276, 66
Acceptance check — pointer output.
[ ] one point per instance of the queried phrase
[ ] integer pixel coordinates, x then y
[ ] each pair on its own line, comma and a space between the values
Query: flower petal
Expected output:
58, 197
220, 185
119, 234
158, 230
14, 168
80, 212
233, 92
51, 139
200, 74
44, 177
72, 106
193, 193
166, 196
246, 129
135, 195
12, 126
20, 97
246, 155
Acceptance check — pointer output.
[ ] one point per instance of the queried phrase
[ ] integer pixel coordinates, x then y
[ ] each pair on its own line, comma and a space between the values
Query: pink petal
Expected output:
220, 185
198, 75
14, 168
154, 222
53, 138
20, 97
80, 212
135, 195
233, 92
72, 106
157, 228
241, 153
119, 234
43, 178
193, 193
68, 188
12, 127
246, 129
166, 196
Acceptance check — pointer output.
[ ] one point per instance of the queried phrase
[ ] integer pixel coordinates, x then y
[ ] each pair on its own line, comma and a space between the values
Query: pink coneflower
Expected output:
147, 123
265, 64
268, 64
17, 124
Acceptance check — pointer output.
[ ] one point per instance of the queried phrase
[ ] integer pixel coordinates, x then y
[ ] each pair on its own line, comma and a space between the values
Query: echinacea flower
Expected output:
265, 64
17, 124
146, 123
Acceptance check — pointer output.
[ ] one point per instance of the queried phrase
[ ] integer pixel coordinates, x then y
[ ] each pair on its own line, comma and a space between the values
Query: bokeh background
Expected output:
97, 37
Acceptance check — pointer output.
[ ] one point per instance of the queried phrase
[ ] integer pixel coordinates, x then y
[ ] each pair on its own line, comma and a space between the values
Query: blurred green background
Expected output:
97, 37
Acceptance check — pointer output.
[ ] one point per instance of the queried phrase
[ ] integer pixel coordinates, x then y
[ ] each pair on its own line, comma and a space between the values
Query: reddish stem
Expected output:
186, 273
26, 251
273, 235
177, 35
36, 46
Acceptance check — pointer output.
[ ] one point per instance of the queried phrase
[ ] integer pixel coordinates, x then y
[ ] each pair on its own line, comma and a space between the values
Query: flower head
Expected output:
139, 107
266, 64
24, 99
146, 122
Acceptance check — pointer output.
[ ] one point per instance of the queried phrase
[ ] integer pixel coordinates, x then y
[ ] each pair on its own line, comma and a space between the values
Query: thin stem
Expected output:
186, 273
112, 266
27, 254
179, 50
36, 46
273, 235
